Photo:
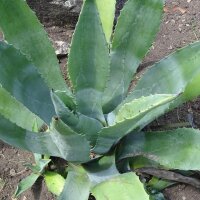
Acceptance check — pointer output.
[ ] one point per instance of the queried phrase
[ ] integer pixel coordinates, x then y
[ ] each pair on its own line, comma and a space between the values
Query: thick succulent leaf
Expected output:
63, 111
154, 114
69, 101
26, 183
21, 79
135, 31
101, 169
78, 122
175, 149
30, 37
138, 106
42, 143
106, 9
13, 110
71, 144
34, 142
89, 62
125, 186
112, 134
171, 75
54, 182
77, 185
191, 91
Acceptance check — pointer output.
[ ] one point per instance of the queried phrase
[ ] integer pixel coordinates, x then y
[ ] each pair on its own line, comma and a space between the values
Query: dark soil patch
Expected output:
181, 25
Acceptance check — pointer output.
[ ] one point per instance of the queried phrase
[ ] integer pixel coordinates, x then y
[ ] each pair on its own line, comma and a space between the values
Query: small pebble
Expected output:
12, 172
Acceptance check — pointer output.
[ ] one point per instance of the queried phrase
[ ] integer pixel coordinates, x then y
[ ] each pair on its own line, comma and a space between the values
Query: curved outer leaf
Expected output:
13, 110
54, 182
101, 169
89, 62
69, 142
170, 75
106, 9
42, 143
21, 79
30, 37
76, 121
137, 106
35, 142
175, 149
2, 184
125, 186
136, 29
77, 185
191, 91
110, 135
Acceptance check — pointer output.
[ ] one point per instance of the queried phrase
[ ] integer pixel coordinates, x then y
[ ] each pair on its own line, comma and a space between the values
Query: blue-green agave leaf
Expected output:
134, 33
77, 185
174, 149
89, 62
124, 186
21, 28
129, 119
45, 143
80, 123
21, 79
171, 75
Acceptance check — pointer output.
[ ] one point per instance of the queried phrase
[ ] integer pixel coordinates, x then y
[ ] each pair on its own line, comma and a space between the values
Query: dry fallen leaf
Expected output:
166, 9
177, 8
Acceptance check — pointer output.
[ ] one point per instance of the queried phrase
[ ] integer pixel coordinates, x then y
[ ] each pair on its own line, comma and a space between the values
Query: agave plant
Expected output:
95, 123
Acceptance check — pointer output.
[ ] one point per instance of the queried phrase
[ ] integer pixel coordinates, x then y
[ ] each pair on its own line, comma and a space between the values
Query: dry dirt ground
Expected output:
180, 26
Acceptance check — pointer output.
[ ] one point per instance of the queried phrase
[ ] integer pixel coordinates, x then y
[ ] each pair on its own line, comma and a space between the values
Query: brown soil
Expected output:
180, 26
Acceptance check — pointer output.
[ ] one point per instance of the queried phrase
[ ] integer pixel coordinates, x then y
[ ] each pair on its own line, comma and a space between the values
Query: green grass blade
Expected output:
2, 184
89, 62
131, 118
22, 29
21, 79
26, 184
13, 110
175, 149
125, 186
135, 31
170, 75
